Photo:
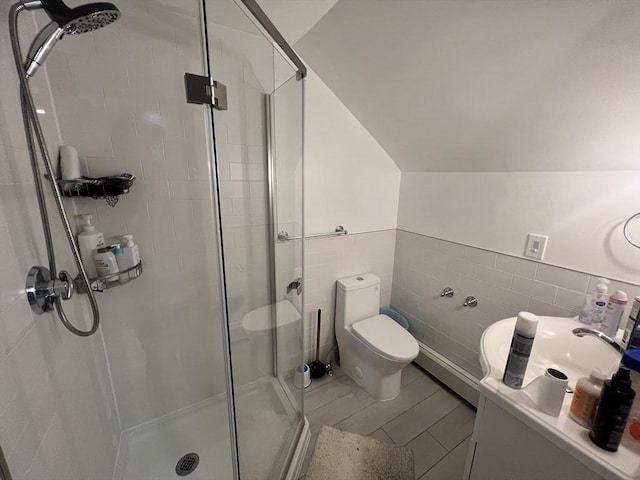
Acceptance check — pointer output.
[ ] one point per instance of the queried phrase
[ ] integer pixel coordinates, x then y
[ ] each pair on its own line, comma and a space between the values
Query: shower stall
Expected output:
190, 371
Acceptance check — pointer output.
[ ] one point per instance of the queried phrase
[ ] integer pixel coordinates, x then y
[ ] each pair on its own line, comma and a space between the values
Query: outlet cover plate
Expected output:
536, 245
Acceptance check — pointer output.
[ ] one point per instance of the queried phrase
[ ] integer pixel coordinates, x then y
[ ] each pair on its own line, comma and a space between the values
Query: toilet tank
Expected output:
357, 298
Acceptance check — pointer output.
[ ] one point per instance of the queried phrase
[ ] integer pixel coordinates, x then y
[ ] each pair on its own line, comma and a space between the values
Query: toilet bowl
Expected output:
373, 348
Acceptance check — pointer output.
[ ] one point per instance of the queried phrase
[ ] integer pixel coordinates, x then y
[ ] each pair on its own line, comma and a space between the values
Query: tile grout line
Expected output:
443, 458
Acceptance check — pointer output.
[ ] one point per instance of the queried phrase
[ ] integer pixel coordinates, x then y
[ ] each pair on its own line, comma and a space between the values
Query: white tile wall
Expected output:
330, 259
57, 412
119, 95
503, 285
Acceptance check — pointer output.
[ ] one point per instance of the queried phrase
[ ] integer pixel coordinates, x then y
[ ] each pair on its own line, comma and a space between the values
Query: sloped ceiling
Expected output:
490, 85
294, 18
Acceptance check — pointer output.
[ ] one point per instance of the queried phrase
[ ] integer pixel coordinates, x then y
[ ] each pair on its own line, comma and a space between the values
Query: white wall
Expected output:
581, 212
57, 412
504, 285
349, 179
329, 259
163, 330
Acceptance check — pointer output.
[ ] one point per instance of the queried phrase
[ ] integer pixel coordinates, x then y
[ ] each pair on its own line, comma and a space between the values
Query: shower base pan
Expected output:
153, 450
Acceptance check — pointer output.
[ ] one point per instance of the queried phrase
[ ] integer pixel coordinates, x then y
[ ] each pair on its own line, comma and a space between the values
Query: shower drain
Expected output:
187, 464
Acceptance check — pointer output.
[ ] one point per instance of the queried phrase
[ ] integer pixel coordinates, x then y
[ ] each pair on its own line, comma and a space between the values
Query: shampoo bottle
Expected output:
89, 240
613, 411
613, 314
520, 351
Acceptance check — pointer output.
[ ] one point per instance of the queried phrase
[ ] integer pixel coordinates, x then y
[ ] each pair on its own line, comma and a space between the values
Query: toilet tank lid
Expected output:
359, 281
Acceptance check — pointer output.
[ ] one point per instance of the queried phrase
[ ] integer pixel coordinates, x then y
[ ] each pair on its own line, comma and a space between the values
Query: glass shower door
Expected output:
259, 165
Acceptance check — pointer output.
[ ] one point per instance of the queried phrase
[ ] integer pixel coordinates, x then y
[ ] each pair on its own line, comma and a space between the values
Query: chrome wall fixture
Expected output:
447, 292
46, 287
470, 302
283, 236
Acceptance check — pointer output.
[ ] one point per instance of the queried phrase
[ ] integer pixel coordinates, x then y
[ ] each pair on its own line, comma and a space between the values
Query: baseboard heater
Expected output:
454, 377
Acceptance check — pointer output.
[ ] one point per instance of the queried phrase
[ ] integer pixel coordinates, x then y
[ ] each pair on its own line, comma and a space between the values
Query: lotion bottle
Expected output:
89, 240
586, 397
613, 411
520, 351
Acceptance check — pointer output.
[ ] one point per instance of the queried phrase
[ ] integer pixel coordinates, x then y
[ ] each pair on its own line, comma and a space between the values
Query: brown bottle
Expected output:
611, 417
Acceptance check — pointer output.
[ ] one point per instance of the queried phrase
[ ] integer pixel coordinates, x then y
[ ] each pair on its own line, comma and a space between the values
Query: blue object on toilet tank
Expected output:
395, 316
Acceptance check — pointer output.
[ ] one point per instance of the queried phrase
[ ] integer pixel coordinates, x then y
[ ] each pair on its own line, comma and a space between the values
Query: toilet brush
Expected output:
317, 368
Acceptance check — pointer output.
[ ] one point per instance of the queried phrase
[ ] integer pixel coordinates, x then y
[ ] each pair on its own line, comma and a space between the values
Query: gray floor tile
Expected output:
376, 415
340, 400
319, 383
382, 436
455, 427
364, 396
450, 467
410, 373
417, 419
334, 412
328, 393
426, 452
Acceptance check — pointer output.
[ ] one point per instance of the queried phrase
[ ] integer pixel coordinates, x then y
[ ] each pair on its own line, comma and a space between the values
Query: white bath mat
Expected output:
347, 456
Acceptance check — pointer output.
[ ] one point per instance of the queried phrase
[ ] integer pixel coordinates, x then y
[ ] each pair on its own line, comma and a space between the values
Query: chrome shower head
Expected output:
65, 20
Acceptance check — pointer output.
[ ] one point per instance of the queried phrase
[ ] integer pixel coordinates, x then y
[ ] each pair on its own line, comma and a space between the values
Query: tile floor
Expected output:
426, 417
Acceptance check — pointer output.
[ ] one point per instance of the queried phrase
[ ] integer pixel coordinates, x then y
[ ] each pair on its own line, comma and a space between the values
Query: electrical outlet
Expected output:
536, 245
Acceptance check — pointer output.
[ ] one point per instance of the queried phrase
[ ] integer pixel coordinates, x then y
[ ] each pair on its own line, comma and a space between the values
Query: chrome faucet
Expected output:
582, 331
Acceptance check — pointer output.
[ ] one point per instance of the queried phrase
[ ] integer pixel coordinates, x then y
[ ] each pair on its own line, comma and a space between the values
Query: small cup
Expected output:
302, 376
549, 391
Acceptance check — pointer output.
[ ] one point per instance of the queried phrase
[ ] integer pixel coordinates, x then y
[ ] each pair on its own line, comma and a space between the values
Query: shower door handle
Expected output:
295, 285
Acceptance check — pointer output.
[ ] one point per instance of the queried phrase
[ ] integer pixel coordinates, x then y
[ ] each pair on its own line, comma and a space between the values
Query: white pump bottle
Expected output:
129, 257
89, 240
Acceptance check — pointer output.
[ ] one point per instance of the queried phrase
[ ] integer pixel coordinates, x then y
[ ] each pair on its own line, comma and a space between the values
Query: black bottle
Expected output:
613, 411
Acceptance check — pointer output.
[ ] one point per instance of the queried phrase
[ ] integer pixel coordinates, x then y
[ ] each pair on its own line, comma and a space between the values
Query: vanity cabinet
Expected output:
504, 448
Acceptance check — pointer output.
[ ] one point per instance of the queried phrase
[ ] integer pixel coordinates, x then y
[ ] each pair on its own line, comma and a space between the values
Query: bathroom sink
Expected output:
555, 346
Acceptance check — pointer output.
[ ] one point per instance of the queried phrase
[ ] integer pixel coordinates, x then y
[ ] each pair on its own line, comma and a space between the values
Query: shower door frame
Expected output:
279, 44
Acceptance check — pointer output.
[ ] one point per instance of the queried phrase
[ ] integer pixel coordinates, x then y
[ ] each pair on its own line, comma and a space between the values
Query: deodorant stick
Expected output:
520, 351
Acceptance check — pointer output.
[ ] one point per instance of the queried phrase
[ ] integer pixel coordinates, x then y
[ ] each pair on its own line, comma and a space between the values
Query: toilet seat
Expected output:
386, 338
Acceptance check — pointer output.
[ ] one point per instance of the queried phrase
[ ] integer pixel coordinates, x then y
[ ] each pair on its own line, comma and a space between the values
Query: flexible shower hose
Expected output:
32, 126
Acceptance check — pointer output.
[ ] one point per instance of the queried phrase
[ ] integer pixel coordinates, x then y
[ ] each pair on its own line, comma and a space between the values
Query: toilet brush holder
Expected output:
302, 376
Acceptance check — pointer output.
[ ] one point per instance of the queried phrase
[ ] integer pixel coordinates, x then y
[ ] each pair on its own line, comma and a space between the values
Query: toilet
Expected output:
373, 348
